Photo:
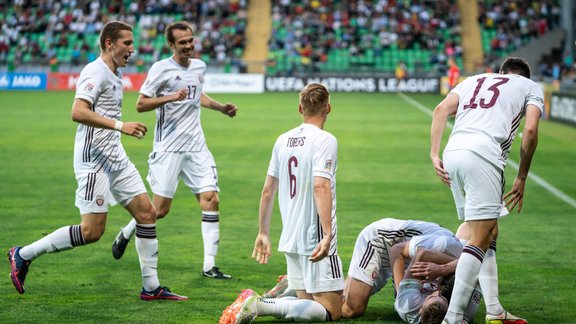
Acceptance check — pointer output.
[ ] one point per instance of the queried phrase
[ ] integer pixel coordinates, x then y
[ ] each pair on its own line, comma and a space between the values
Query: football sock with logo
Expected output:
129, 229
210, 237
64, 238
489, 281
299, 310
466, 278
147, 248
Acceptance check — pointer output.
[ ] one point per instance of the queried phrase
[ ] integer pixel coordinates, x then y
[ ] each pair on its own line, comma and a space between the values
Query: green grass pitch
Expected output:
383, 171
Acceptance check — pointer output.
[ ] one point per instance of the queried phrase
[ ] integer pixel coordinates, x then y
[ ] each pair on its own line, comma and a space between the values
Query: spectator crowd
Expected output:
45, 31
309, 35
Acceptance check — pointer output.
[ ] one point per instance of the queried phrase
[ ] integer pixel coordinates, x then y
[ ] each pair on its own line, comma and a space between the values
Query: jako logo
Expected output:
26, 81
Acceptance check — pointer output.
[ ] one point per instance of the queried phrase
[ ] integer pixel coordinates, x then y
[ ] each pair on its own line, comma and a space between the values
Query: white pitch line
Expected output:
543, 183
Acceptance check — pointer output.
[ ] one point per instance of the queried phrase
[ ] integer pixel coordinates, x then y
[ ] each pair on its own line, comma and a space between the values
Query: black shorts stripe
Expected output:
90, 184
334, 266
370, 250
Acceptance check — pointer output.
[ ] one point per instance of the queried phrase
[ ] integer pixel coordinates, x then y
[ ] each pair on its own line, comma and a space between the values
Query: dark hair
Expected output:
433, 313
111, 30
182, 25
516, 65
313, 98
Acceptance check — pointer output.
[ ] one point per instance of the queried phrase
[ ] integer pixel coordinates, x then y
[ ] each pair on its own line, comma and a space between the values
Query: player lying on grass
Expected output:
428, 263
419, 287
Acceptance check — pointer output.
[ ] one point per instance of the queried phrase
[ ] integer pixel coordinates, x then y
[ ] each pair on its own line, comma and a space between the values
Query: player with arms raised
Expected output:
489, 108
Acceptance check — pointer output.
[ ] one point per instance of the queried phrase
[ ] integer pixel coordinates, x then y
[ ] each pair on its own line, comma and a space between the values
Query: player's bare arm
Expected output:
515, 196
432, 264
323, 199
146, 103
445, 109
398, 253
81, 113
262, 250
228, 109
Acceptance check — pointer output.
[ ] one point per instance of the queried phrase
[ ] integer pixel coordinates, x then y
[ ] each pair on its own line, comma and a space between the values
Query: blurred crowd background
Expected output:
311, 36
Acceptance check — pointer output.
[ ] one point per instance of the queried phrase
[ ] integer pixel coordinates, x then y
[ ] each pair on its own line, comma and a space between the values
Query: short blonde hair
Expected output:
313, 98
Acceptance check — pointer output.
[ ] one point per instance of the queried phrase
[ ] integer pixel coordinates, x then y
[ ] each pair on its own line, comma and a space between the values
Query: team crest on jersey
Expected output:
328, 165
89, 86
201, 78
99, 200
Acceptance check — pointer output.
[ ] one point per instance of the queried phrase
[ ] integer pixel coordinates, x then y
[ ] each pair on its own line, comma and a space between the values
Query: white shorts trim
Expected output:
314, 277
477, 185
196, 169
96, 191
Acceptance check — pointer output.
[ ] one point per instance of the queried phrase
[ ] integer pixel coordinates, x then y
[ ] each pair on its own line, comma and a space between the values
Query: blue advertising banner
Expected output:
22, 81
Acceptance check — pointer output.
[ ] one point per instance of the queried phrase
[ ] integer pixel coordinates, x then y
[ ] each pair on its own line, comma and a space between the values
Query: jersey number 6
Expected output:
292, 160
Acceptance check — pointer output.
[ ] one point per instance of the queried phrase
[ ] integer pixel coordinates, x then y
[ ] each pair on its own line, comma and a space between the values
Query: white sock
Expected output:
298, 310
211, 237
64, 238
147, 248
473, 305
466, 279
489, 281
129, 229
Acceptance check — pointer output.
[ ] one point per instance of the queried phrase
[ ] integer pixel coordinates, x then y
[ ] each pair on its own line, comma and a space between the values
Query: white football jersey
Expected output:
299, 155
386, 232
412, 292
99, 149
178, 127
490, 109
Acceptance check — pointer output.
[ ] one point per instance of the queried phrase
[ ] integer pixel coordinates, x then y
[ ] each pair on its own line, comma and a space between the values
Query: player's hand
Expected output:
440, 172
229, 109
516, 195
135, 129
426, 270
261, 250
180, 94
321, 250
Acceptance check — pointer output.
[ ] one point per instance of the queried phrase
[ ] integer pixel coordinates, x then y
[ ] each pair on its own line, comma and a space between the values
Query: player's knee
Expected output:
209, 200
161, 212
335, 314
147, 216
92, 234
